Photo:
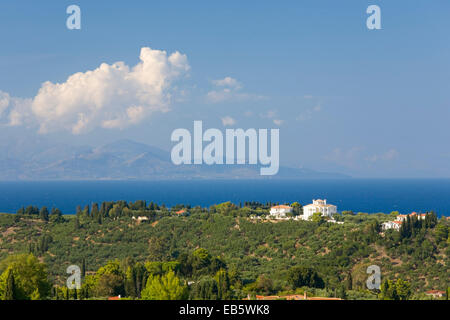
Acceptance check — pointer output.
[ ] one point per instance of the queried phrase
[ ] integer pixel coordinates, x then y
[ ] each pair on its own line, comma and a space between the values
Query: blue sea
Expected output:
359, 195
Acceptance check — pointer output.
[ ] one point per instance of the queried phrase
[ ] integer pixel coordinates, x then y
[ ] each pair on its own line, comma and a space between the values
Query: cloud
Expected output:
229, 89
227, 82
4, 101
278, 122
270, 114
111, 96
14, 111
308, 114
388, 155
228, 121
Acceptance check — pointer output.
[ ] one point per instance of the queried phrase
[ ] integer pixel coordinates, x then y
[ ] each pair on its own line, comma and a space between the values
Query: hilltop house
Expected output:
403, 217
435, 293
396, 224
140, 219
279, 212
321, 206
391, 225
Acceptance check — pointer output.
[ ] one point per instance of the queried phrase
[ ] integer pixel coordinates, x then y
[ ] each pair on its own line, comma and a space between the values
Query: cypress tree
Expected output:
83, 267
349, 282
43, 214
77, 223
10, 291
95, 212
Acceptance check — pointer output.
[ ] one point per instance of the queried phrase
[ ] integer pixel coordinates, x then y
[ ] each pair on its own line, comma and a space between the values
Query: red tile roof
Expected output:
435, 292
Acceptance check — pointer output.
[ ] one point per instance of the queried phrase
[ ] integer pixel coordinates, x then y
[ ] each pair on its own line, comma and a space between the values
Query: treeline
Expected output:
24, 277
194, 276
55, 215
412, 226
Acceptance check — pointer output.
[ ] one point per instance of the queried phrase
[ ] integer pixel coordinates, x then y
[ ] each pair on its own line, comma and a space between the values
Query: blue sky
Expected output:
346, 99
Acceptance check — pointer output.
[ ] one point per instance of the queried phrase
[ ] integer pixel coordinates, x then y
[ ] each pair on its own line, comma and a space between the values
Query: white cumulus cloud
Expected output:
13, 110
227, 82
229, 89
111, 96
228, 121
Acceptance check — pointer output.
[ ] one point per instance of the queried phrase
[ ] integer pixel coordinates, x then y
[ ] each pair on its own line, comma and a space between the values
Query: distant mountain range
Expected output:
121, 160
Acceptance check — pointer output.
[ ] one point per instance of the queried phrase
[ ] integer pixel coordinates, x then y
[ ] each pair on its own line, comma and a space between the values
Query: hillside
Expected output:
340, 254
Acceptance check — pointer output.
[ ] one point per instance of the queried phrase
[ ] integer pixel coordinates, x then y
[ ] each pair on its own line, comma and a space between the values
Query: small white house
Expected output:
140, 219
279, 212
391, 225
321, 206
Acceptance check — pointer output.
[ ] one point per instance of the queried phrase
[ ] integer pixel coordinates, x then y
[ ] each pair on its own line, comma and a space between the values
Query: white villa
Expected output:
391, 225
279, 212
319, 205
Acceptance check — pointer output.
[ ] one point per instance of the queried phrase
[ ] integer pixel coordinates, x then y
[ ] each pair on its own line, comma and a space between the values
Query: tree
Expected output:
399, 290
264, 285
403, 289
317, 217
297, 209
86, 211
204, 289
349, 281
29, 275
83, 267
342, 294
43, 214
56, 215
387, 289
10, 290
157, 249
302, 276
441, 232
110, 280
166, 287
77, 223
223, 285
95, 213
136, 276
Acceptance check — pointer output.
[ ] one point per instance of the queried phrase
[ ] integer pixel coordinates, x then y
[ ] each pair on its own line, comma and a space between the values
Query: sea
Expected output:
358, 195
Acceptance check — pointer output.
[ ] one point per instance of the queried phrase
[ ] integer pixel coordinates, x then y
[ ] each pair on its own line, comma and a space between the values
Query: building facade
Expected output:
321, 206
279, 212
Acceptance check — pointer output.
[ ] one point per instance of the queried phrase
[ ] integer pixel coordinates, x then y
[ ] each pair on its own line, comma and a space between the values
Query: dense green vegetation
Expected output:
219, 252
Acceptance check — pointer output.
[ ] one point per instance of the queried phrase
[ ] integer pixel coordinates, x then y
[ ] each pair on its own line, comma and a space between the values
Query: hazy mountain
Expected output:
120, 160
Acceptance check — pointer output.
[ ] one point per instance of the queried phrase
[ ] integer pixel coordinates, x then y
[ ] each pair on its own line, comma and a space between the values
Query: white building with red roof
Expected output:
403, 217
396, 224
